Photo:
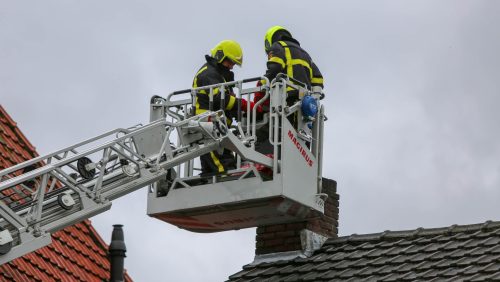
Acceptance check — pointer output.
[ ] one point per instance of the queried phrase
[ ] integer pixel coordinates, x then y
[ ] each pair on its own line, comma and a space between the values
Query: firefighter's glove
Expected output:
259, 95
244, 105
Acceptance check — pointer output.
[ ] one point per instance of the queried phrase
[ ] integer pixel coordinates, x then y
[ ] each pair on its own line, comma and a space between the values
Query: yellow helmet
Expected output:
268, 39
229, 49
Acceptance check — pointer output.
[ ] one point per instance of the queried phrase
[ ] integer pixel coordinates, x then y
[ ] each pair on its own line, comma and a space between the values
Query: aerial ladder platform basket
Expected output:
246, 197
48, 193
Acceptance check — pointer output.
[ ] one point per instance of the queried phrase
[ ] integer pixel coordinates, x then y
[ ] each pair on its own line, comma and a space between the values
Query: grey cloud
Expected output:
412, 94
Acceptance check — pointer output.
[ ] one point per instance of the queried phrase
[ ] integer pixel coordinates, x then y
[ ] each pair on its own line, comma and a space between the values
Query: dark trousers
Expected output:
262, 145
214, 163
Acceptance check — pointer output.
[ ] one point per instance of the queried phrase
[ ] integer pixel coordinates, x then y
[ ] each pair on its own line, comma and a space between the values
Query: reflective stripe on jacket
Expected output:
213, 73
288, 57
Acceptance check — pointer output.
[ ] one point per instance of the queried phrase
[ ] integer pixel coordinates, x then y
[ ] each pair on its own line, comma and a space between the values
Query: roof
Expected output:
456, 253
77, 253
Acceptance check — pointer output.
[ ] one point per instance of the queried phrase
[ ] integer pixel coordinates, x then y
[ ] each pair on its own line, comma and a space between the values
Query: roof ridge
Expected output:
387, 234
16, 130
95, 235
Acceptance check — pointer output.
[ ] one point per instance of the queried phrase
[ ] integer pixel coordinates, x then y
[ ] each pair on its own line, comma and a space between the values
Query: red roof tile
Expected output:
77, 253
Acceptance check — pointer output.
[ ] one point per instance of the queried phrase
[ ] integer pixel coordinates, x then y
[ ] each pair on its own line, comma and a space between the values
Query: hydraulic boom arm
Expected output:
48, 193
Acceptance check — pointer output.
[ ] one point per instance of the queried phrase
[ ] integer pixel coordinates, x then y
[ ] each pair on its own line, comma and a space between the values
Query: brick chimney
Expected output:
301, 238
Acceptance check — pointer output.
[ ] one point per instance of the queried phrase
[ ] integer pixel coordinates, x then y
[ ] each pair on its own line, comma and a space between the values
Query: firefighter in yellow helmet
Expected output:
217, 69
285, 55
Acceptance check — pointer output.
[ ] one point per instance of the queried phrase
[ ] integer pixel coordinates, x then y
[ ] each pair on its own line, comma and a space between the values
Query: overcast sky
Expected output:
413, 98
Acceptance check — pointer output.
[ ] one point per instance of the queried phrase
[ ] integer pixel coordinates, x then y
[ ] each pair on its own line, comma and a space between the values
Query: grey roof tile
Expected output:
463, 243
463, 236
381, 261
478, 278
360, 263
491, 241
387, 244
404, 268
385, 270
442, 238
301, 260
423, 266
477, 233
311, 276
437, 255
343, 264
347, 273
287, 269
305, 267
324, 266
349, 248
271, 270
337, 257
485, 259
473, 243
471, 270
417, 258
432, 247
352, 279
466, 261
409, 276
451, 272
494, 277
292, 278
444, 263
413, 249
429, 274
255, 272
492, 268
274, 278
331, 274
459, 253
237, 275
437, 279
321, 258
399, 259
484, 234
373, 253
451, 246
391, 277
397, 251
366, 246
404, 243
493, 250
356, 254
478, 251
367, 271
425, 240
456, 253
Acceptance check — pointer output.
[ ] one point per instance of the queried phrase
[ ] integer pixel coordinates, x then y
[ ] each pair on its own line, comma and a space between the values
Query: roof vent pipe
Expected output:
117, 252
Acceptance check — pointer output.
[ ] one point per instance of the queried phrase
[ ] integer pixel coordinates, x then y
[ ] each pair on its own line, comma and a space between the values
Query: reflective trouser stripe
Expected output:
220, 167
231, 102
198, 110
